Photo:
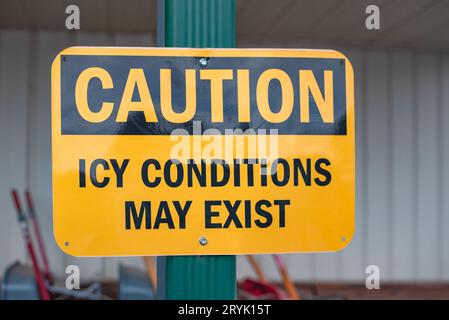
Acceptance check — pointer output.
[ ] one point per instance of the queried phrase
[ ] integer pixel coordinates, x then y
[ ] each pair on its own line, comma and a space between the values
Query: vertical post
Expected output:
196, 24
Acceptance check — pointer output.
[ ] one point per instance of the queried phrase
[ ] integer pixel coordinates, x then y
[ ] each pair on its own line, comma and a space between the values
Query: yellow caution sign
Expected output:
161, 151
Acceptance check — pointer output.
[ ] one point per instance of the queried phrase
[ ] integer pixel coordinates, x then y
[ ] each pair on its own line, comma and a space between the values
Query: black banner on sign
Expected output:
141, 95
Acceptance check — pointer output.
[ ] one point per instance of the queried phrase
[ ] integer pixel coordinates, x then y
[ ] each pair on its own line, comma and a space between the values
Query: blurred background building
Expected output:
402, 117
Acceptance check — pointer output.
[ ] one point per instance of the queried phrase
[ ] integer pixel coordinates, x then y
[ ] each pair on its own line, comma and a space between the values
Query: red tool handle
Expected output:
17, 206
40, 241
289, 285
30, 203
37, 273
29, 245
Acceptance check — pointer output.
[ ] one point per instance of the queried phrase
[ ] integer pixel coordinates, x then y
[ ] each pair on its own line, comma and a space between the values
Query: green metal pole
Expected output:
197, 24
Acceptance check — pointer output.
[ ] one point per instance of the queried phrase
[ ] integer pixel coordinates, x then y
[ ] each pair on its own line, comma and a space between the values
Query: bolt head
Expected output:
203, 241
202, 62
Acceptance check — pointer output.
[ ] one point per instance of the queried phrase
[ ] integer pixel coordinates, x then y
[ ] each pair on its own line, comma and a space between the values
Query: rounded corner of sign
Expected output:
63, 245
57, 58
65, 249
348, 63
344, 244
68, 50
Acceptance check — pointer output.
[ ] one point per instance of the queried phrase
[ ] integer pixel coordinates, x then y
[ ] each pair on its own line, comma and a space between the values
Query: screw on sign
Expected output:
202, 62
203, 241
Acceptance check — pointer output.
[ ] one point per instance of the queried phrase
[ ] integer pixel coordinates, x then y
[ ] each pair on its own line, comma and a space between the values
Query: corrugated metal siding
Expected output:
402, 173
